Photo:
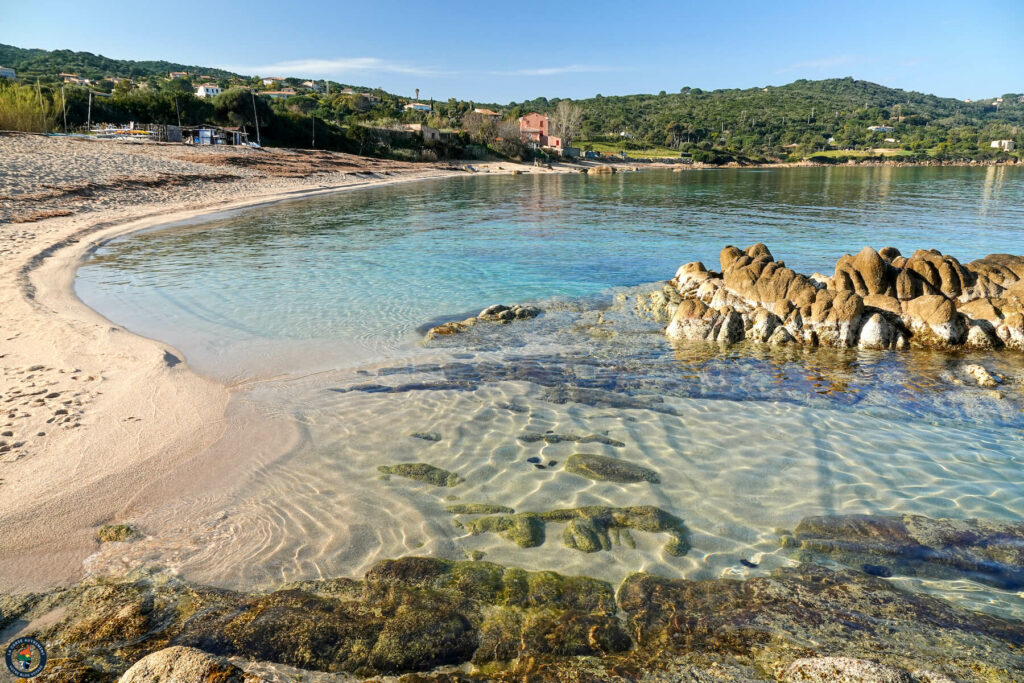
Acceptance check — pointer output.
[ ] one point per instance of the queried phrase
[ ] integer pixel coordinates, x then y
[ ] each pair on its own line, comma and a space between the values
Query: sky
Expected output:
513, 50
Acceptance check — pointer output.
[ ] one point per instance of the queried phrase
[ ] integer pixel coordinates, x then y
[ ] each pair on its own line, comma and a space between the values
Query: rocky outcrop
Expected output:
988, 552
874, 300
498, 313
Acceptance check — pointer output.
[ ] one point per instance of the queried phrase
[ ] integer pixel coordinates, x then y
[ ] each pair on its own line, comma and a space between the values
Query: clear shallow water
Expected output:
746, 441
349, 278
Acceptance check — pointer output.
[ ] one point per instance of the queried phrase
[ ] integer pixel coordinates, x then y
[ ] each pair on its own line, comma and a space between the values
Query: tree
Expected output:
567, 121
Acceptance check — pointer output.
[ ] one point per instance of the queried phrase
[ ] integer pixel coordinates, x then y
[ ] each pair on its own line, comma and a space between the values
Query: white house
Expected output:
6, 72
271, 80
881, 129
1005, 145
418, 106
278, 94
207, 90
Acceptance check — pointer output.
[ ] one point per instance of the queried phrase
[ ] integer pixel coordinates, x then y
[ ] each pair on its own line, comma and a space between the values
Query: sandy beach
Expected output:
95, 416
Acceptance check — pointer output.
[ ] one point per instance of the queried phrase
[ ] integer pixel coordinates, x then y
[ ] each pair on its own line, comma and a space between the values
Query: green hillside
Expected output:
807, 114
32, 63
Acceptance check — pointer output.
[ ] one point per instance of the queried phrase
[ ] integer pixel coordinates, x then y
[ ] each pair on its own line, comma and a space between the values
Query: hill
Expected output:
32, 63
804, 114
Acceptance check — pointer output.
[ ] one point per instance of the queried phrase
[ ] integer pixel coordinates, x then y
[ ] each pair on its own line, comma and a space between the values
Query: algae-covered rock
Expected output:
421, 471
591, 529
551, 437
525, 530
989, 552
417, 613
478, 509
799, 612
109, 533
841, 670
603, 468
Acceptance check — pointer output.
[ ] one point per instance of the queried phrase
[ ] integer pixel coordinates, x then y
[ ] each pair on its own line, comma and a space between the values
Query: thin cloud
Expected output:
817, 64
328, 67
555, 70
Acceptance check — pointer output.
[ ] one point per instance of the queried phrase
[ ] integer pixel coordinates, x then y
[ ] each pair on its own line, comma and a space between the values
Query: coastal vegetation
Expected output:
826, 121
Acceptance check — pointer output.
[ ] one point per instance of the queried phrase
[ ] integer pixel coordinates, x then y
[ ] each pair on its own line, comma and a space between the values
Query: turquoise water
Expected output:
746, 441
365, 269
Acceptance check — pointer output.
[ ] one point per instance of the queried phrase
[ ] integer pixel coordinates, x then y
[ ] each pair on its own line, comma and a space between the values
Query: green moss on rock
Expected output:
589, 526
603, 468
109, 533
421, 471
478, 509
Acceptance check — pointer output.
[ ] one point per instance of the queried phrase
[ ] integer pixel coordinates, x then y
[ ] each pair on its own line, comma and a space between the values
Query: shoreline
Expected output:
135, 412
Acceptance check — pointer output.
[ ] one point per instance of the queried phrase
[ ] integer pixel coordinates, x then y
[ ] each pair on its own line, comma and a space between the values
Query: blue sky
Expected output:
500, 51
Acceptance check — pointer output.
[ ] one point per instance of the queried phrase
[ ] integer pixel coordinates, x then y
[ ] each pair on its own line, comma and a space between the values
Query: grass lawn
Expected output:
615, 148
883, 151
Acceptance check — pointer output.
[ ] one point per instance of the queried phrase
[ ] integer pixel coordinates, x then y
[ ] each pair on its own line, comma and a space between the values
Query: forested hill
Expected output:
806, 113
31, 63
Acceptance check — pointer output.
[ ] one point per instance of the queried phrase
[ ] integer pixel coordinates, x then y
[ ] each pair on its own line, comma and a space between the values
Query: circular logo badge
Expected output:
26, 657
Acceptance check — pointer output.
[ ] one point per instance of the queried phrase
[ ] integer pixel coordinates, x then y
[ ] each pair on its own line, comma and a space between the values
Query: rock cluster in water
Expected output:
498, 313
988, 552
805, 623
588, 529
874, 300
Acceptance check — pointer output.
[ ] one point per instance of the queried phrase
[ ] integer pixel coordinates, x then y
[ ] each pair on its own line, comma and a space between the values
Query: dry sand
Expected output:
95, 416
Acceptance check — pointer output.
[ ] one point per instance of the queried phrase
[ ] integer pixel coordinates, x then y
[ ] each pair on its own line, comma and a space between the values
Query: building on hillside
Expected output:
428, 133
534, 128
417, 106
178, 74
6, 72
881, 129
207, 90
316, 86
488, 113
271, 80
1005, 145
1020, 100
348, 91
279, 94
370, 97
75, 80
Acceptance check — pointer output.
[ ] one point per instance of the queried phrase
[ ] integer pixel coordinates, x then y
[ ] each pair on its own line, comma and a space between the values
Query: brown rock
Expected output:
759, 250
889, 253
728, 257
847, 307
884, 302
872, 270
981, 309
932, 310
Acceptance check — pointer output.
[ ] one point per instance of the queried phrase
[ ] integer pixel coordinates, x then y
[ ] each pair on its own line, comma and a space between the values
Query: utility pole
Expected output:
42, 112
314, 131
64, 106
255, 118
88, 116
176, 110
417, 94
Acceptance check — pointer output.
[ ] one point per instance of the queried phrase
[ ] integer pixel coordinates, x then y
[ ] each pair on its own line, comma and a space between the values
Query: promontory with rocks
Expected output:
874, 300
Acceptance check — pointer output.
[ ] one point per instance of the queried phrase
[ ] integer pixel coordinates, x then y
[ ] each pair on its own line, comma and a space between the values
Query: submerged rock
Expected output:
550, 437
109, 533
421, 471
988, 552
981, 375
478, 509
603, 468
498, 313
841, 670
875, 300
527, 529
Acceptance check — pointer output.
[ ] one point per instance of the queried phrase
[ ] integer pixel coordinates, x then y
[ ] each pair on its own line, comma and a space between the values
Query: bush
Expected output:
20, 109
